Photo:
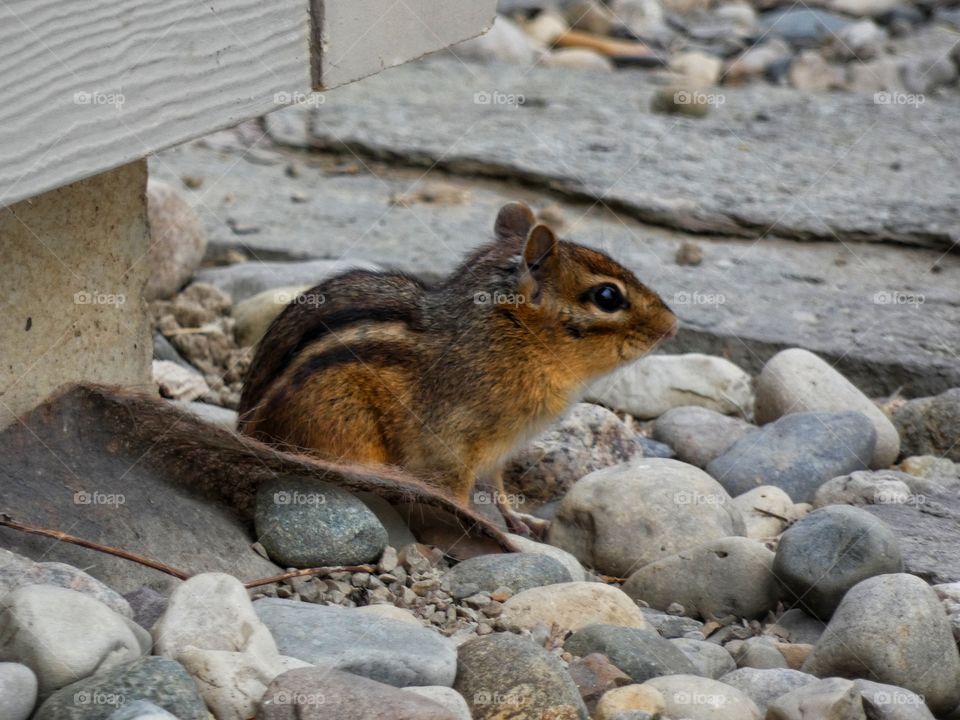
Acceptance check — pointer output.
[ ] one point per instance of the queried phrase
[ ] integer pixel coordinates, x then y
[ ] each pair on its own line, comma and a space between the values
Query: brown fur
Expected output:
378, 368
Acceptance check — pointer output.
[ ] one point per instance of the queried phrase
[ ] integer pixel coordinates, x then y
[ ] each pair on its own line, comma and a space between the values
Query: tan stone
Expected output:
795, 653
572, 606
631, 697
254, 315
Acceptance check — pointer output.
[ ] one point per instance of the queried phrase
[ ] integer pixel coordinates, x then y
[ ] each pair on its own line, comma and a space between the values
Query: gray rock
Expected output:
589, 438
140, 710
244, 280
503, 675
178, 240
382, 649
708, 659
797, 453
699, 435
730, 576
573, 566
162, 682
765, 686
320, 693
163, 350
517, 571
831, 698
669, 504
225, 417
673, 626
802, 26
925, 75
63, 635
888, 702
829, 551
695, 698
654, 449
17, 571
308, 524
870, 487
117, 470
918, 652
641, 654
756, 652
800, 627
797, 380
147, 606
18, 691
928, 531
932, 467
931, 425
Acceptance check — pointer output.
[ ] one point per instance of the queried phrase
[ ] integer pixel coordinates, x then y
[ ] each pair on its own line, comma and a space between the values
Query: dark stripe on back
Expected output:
378, 353
338, 320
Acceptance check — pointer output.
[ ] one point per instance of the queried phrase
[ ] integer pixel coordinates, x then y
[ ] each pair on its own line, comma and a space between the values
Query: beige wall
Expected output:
70, 289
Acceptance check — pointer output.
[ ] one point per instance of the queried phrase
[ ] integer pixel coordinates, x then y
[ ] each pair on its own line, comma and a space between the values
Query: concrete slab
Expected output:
764, 161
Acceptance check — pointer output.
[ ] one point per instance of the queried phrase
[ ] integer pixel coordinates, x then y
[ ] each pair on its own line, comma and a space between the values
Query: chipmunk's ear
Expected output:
514, 220
539, 254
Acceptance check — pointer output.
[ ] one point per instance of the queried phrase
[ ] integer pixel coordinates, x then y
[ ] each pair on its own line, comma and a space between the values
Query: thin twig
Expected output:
7, 521
772, 514
309, 571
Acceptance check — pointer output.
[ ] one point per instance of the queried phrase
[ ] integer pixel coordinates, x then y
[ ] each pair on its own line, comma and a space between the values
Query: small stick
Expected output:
7, 521
773, 514
309, 571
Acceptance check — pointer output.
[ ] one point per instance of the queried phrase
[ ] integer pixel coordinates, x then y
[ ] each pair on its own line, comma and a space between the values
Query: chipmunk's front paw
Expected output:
526, 525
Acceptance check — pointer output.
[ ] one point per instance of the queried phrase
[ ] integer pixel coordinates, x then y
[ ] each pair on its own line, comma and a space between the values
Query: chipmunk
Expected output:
444, 381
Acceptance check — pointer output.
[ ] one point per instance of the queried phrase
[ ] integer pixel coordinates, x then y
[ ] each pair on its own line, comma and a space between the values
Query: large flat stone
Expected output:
928, 531
763, 161
133, 472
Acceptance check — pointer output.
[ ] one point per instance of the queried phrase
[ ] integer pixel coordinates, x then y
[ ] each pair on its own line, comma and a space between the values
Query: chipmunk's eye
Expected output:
608, 297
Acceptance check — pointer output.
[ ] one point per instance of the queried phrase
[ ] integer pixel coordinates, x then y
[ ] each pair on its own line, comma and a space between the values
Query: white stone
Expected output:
64, 636
796, 380
654, 384
546, 27
390, 611
211, 611
177, 382
572, 606
18, 691
505, 42
696, 698
254, 315
444, 696
621, 518
211, 628
697, 69
777, 504
233, 683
